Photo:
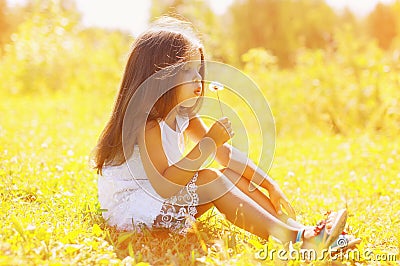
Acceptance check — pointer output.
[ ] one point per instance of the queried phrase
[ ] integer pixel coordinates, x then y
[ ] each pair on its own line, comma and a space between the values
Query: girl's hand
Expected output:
279, 200
221, 131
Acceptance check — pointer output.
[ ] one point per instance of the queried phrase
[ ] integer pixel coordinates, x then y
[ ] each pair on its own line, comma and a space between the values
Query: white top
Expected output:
125, 191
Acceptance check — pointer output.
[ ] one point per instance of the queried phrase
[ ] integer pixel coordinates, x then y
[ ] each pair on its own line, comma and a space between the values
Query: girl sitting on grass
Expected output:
143, 178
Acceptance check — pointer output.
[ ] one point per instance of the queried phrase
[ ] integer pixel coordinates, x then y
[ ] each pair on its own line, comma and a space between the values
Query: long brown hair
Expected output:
166, 45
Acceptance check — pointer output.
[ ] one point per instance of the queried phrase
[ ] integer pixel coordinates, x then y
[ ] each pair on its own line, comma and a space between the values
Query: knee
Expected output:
208, 175
212, 184
211, 178
231, 175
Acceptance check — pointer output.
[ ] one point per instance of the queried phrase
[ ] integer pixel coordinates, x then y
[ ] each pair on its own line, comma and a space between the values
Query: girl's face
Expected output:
190, 89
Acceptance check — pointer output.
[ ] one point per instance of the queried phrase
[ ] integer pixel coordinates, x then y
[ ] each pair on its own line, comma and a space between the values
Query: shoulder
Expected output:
152, 132
153, 155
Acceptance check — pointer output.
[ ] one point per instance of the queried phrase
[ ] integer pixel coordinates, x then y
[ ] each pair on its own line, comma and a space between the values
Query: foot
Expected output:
328, 222
344, 242
329, 219
319, 237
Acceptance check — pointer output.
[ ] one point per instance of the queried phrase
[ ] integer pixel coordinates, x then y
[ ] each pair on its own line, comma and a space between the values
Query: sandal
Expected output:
344, 242
324, 239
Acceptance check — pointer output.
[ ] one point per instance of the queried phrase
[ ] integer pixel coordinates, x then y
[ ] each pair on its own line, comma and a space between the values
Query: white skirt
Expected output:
130, 203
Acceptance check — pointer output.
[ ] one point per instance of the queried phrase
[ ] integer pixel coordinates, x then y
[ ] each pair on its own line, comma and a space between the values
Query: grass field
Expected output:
48, 193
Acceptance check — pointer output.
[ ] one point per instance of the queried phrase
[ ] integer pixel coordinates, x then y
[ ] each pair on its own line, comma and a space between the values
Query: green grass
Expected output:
48, 192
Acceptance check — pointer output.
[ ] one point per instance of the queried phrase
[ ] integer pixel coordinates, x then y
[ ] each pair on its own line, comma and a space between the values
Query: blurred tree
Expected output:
34, 51
396, 10
347, 17
217, 45
4, 24
279, 27
50, 51
382, 25
10, 19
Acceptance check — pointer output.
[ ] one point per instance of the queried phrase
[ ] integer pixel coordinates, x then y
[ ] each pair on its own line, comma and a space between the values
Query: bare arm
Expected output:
231, 157
236, 160
168, 179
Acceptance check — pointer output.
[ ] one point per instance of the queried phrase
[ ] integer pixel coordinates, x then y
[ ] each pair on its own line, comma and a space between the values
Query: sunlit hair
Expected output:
167, 44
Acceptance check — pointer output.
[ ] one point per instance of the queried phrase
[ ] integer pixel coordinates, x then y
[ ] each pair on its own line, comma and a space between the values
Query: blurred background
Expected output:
330, 71
325, 67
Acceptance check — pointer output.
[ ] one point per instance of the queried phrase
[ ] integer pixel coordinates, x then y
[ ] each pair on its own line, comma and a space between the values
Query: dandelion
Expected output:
215, 87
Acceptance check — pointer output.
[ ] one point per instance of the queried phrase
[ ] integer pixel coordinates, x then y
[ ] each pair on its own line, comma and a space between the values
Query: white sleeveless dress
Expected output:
128, 199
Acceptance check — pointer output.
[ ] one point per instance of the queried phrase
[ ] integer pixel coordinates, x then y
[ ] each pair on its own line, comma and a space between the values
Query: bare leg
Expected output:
263, 200
240, 209
203, 208
258, 196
